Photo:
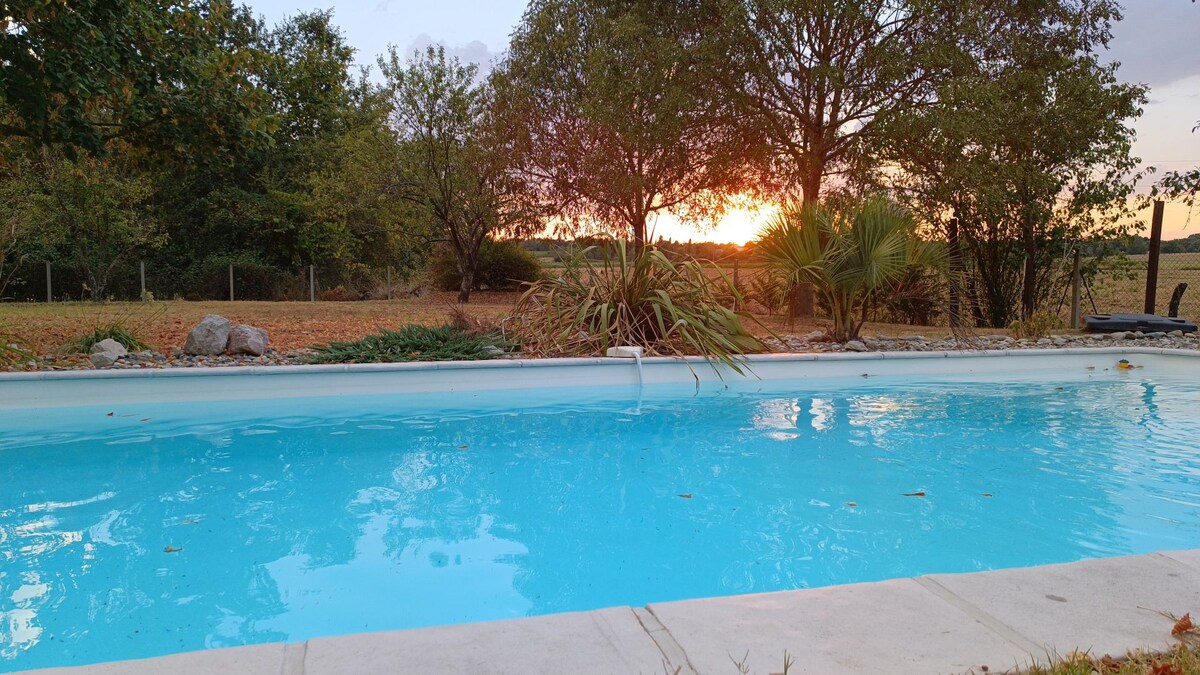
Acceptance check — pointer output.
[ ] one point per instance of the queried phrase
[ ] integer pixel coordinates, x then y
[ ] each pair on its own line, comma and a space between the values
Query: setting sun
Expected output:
739, 225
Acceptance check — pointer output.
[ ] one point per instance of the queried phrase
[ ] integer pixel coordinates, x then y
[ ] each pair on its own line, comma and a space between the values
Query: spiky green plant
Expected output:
13, 350
642, 299
115, 331
411, 343
847, 255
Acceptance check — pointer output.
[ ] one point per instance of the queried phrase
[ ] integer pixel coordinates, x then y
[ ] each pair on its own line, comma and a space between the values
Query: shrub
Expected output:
411, 343
642, 299
503, 264
850, 256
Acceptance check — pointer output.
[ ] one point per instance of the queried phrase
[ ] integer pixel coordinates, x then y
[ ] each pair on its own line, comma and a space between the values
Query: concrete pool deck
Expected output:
928, 625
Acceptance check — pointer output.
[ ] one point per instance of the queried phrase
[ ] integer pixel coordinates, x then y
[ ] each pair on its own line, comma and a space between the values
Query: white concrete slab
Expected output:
252, 660
896, 627
1105, 606
583, 643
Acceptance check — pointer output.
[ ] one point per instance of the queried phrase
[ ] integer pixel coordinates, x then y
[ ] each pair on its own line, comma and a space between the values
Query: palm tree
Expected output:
848, 255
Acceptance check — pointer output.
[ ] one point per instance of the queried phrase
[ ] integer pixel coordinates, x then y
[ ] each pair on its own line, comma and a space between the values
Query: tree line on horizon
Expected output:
190, 134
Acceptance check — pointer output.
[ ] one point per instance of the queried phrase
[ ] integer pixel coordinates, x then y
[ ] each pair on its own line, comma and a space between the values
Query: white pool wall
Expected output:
54, 389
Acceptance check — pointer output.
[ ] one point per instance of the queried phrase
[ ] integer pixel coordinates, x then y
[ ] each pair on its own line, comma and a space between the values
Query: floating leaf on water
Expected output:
686, 496
145, 419
914, 494
1183, 625
463, 447
172, 549
852, 504
1058, 389
189, 521
109, 415
1091, 367
987, 494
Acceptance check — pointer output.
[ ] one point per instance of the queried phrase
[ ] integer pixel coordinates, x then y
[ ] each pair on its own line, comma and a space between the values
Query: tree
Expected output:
818, 75
614, 118
450, 165
847, 255
157, 75
1026, 151
94, 212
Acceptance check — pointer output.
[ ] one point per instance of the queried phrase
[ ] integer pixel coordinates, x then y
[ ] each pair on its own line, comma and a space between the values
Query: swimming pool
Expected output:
142, 527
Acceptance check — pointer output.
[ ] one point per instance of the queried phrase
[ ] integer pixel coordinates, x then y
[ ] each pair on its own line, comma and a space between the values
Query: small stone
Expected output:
1043, 342
1176, 333
855, 346
493, 350
209, 337
1156, 334
816, 336
1119, 335
245, 339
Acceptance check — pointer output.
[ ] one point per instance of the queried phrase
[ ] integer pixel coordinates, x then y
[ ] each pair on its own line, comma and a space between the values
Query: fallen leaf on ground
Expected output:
686, 496
914, 494
172, 549
1183, 625
1166, 669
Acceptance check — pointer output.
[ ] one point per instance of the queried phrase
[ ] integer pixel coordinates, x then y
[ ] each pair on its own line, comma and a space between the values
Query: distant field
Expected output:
1120, 293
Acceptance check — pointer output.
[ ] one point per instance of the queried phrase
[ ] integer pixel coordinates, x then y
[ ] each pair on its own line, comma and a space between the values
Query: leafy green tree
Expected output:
614, 118
95, 212
450, 166
847, 255
157, 75
1026, 151
818, 75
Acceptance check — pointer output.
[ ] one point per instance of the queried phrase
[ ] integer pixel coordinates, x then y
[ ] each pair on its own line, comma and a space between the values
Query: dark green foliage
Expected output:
410, 343
114, 331
254, 278
503, 265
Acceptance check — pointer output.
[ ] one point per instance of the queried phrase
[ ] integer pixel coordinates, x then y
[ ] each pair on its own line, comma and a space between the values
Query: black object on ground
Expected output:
1147, 323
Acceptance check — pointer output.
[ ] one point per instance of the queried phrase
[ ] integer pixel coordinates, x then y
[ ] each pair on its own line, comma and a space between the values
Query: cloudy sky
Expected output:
1158, 44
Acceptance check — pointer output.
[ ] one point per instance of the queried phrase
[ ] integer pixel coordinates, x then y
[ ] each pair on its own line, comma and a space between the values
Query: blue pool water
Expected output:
174, 527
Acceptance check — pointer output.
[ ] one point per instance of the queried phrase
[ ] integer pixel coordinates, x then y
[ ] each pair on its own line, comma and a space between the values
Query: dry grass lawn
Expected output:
293, 325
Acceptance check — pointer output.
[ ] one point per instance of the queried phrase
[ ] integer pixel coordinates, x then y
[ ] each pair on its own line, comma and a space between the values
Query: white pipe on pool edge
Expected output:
625, 352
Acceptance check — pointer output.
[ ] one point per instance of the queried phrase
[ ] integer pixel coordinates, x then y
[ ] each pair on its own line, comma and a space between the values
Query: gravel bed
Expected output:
813, 342
818, 342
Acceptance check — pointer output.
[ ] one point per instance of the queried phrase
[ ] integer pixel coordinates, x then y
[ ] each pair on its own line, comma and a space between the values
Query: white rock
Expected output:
106, 352
245, 339
815, 336
209, 337
855, 346
1176, 333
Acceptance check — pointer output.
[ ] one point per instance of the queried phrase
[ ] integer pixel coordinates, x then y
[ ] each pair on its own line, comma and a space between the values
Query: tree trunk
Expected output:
956, 274
1029, 283
810, 183
466, 261
639, 232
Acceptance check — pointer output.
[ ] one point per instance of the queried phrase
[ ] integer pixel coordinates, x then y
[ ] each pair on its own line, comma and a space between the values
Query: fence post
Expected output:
312, 284
1156, 224
231, 282
389, 282
142, 274
49, 289
1076, 282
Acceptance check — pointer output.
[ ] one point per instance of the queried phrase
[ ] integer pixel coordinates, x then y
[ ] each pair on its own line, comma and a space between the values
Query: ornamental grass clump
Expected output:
412, 343
640, 299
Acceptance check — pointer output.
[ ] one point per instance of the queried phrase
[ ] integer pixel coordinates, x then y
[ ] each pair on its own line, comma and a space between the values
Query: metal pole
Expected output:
1156, 224
389, 282
231, 282
1076, 282
312, 284
142, 273
49, 289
